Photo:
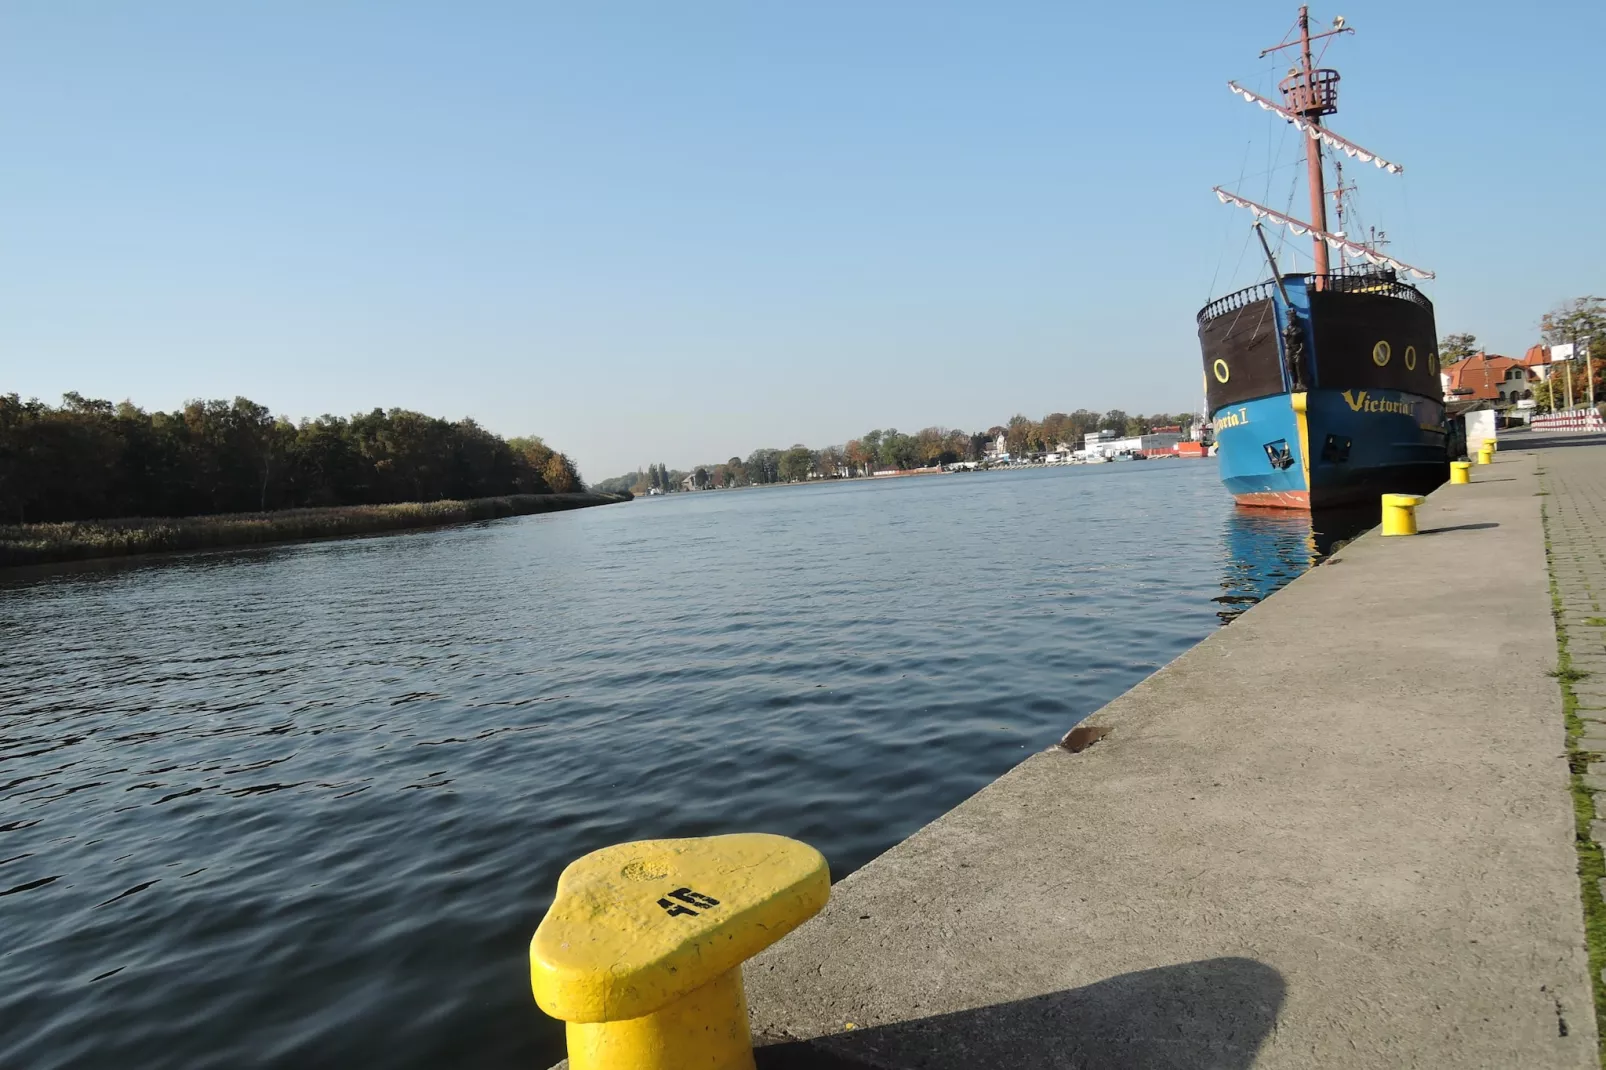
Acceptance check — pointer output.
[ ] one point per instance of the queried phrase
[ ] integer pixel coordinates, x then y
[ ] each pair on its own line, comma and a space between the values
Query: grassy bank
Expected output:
38, 544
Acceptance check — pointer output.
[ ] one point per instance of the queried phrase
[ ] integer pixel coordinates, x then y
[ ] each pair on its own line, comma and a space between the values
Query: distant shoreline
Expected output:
54, 543
902, 474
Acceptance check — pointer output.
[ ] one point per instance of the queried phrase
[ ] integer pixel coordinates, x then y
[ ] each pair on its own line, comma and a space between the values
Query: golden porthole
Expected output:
1381, 354
1433, 361
1221, 370
1410, 358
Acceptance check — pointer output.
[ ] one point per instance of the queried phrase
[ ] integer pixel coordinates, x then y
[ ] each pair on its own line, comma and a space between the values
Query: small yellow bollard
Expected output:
1486, 454
1460, 471
641, 952
1399, 513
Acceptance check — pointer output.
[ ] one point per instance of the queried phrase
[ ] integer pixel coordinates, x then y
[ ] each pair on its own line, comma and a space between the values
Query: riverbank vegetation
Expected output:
37, 544
891, 449
89, 460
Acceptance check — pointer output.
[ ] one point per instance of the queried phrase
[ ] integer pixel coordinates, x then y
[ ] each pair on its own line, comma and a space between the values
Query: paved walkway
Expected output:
1338, 832
1574, 474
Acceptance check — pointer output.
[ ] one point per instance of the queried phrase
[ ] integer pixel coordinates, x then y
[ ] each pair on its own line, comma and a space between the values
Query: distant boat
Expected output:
1323, 388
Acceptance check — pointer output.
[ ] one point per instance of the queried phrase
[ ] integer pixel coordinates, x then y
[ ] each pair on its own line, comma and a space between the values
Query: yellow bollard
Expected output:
641, 953
1486, 454
1460, 471
1399, 513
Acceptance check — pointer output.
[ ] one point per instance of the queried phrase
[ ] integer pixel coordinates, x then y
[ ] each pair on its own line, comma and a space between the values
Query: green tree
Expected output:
829, 461
89, 459
763, 466
1082, 421
1454, 348
796, 464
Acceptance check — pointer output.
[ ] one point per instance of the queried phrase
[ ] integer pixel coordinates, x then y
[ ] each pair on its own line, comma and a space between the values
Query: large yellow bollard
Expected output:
1460, 471
1399, 513
642, 951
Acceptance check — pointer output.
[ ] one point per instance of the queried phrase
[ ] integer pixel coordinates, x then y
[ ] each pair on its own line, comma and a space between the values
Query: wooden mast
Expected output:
1313, 150
1310, 92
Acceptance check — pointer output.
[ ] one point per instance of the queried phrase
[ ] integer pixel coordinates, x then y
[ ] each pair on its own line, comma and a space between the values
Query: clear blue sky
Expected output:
675, 232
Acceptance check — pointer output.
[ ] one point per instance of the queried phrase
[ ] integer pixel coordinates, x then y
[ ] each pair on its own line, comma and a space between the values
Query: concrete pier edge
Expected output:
1339, 832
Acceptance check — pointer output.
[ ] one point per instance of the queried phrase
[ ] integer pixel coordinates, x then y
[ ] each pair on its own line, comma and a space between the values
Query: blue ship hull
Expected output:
1328, 449
1324, 397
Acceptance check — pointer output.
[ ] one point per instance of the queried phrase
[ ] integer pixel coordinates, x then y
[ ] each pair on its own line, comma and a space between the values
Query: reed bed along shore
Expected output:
40, 544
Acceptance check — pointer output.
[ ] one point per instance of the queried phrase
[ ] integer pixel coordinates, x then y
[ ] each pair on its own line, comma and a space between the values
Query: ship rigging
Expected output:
1309, 94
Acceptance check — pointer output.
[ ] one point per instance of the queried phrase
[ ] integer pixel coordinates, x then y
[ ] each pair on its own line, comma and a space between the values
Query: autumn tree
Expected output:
1017, 434
1582, 322
858, 456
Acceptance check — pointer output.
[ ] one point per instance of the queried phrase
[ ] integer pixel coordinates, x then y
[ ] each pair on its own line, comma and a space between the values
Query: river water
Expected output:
305, 805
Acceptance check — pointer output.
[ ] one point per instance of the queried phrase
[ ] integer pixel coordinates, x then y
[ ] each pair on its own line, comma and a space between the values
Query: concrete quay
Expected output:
1339, 832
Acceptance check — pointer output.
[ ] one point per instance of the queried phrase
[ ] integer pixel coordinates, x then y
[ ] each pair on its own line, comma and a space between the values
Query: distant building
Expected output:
1093, 444
1487, 377
1537, 361
1107, 444
1060, 454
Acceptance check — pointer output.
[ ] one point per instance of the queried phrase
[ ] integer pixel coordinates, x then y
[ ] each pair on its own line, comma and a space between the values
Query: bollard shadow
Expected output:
1211, 1014
1459, 527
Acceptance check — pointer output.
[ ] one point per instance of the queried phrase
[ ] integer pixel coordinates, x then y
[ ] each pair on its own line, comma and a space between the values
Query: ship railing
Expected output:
1347, 282
1372, 283
1234, 301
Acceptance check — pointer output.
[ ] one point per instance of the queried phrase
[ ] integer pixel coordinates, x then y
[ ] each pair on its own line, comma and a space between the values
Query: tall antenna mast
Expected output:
1312, 92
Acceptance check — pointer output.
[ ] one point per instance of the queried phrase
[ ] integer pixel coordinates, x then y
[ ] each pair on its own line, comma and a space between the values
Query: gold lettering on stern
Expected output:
1363, 401
1232, 419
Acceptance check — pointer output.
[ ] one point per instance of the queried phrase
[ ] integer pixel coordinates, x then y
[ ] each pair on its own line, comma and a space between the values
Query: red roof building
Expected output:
1537, 361
1487, 377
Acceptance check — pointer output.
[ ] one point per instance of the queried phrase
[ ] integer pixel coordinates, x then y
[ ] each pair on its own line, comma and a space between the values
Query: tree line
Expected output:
89, 459
892, 450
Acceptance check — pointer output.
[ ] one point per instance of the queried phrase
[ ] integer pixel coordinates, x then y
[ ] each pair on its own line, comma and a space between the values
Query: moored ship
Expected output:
1323, 387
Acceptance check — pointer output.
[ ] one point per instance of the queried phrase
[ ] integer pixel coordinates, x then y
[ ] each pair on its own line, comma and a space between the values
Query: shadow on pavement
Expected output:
1458, 527
1211, 1014
1556, 440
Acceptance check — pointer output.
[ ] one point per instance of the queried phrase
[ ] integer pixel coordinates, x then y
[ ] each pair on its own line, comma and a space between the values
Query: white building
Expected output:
1107, 444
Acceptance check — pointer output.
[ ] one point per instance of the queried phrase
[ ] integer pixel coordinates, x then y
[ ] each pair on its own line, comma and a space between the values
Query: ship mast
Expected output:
1312, 92
1313, 152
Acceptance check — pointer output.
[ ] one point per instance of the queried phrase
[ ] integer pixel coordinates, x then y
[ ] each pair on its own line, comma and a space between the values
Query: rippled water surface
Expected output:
305, 805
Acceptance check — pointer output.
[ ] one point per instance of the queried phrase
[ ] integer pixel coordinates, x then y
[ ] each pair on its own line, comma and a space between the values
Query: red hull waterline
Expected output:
1275, 499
